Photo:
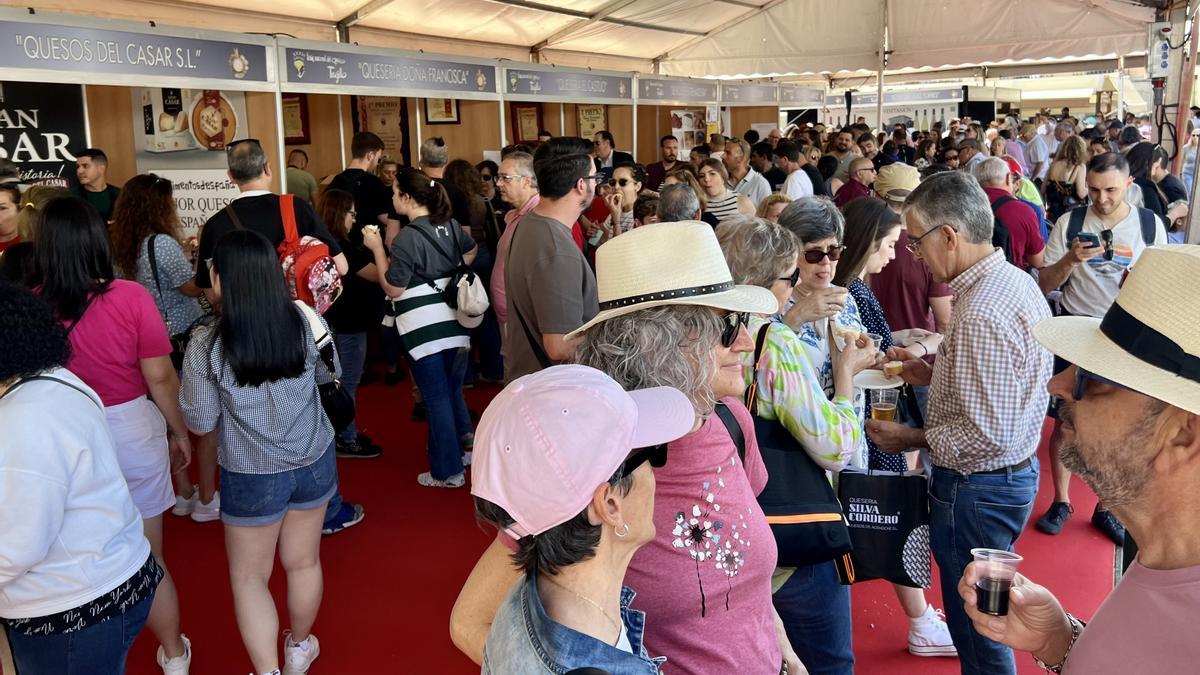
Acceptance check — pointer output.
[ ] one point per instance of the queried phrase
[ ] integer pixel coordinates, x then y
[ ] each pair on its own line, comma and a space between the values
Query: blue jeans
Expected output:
252, 500
352, 352
440, 378
976, 511
486, 337
97, 650
815, 609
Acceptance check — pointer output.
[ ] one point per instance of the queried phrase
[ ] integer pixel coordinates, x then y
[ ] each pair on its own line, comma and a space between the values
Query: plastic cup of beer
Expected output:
883, 404
996, 570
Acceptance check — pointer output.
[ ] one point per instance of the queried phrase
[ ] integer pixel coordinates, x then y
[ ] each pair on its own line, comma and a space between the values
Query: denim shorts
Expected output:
252, 500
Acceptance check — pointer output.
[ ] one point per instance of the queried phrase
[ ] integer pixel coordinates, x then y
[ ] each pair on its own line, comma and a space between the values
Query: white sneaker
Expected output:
178, 665
455, 481
185, 505
204, 513
930, 636
297, 659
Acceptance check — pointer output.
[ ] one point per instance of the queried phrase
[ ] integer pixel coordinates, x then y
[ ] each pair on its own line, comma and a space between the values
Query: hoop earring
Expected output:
619, 533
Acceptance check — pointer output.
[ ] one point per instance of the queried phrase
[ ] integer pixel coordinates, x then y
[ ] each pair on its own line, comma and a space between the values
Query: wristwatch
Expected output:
1077, 627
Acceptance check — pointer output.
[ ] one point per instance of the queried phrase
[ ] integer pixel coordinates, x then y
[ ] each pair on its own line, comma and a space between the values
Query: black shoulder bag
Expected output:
337, 402
798, 501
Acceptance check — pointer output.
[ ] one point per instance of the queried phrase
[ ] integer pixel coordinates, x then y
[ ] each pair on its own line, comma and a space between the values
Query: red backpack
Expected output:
308, 269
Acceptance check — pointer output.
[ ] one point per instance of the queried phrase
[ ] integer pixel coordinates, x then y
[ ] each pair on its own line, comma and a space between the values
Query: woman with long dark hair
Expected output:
144, 215
254, 377
872, 229
77, 578
424, 257
1141, 157
357, 310
121, 350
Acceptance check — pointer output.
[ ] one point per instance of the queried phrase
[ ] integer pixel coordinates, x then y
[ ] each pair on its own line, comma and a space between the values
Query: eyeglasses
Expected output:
598, 177
914, 246
733, 324
229, 147
815, 256
794, 277
869, 168
509, 177
487, 177
620, 181
1082, 377
949, 157
655, 454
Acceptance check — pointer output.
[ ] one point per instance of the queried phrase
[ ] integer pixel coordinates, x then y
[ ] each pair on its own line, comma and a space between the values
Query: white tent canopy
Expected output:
699, 38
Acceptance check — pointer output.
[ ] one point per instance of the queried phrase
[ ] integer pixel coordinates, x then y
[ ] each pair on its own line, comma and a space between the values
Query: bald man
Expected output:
862, 175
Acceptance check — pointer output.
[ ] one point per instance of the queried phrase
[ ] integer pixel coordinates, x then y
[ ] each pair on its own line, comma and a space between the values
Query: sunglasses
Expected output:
794, 277
487, 177
1082, 377
950, 157
655, 454
732, 324
1106, 238
621, 181
814, 257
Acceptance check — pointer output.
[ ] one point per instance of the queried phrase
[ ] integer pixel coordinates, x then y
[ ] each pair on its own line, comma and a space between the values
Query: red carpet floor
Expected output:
390, 582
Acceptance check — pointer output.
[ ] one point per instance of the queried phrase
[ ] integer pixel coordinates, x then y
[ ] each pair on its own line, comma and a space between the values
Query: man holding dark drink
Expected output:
1089, 251
1131, 430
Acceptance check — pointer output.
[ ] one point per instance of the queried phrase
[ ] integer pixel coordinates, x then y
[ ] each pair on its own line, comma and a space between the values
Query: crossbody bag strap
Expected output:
86, 303
433, 242
535, 344
47, 378
733, 427
233, 217
321, 337
752, 391
287, 212
162, 301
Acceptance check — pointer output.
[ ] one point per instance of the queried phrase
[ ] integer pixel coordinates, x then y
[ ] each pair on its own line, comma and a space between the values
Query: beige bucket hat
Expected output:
1149, 340
669, 264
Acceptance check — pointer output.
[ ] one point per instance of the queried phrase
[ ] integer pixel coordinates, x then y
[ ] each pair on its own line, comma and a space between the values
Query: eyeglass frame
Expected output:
794, 277
834, 253
914, 245
613, 182
510, 177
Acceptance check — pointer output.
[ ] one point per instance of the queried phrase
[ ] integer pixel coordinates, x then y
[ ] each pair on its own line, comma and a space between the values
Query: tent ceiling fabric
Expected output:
723, 38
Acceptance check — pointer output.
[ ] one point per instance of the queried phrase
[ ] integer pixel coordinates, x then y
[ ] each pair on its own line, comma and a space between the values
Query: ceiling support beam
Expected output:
596, 17
728, 24
551, 9
370, 7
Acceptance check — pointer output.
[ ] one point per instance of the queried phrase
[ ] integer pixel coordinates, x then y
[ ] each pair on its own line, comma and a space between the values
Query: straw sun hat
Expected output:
669, 264
1149, 340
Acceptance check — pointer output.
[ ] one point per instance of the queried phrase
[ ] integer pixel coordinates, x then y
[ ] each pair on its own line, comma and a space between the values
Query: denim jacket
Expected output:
525, 640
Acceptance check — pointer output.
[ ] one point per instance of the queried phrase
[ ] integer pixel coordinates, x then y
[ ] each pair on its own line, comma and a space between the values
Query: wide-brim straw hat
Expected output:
669, 264
1149, 340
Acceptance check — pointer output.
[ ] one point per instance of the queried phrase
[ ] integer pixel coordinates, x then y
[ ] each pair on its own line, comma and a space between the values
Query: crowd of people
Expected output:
660, 331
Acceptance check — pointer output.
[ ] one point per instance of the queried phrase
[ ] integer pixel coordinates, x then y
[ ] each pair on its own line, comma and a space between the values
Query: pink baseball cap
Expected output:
549, 439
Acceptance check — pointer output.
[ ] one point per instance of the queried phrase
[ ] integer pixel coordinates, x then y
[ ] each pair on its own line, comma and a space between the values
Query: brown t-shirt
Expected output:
549, 283
904, 288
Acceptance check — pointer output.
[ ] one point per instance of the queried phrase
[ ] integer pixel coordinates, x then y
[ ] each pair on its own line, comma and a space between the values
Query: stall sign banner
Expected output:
909, 96
749, 93
799, 96
40, 126
650, 89
552, 84
96, 50
351, 69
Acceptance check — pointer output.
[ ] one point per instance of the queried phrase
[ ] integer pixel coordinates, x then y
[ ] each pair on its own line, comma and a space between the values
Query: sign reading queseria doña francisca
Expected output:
354, 69
749, 93
98, 50
566, 84
687, 91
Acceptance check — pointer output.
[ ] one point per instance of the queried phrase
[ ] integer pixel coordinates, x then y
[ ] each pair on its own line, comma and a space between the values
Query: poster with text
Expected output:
41, 125
382, 116
592, 118
181, 135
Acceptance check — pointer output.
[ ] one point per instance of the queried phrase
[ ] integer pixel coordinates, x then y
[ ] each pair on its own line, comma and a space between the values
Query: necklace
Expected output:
591, 602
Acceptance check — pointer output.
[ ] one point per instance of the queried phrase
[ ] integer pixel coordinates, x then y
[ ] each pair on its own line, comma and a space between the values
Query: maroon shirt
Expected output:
903, 289
1022, 223
656, 173
849, 192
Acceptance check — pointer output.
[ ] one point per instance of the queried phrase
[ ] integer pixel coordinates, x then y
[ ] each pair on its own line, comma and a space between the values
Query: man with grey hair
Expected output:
743, 179
519, 188
435, 155
987, 398
1022, 225
257, 208
678, 202
970, 153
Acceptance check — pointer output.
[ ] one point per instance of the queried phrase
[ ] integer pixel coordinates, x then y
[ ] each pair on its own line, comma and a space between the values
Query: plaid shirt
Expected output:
988, 398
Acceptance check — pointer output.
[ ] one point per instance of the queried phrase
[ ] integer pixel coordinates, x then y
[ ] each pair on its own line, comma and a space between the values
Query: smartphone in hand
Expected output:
1091, 238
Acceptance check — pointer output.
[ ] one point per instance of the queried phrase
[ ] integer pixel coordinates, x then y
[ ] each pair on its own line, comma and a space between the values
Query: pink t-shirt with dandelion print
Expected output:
705, 580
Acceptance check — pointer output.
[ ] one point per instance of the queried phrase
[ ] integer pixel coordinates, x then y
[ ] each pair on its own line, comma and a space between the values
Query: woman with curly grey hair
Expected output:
672, 315
814, 605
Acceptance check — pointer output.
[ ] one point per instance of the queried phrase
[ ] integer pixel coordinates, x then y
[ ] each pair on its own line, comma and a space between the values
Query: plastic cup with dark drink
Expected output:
995, 570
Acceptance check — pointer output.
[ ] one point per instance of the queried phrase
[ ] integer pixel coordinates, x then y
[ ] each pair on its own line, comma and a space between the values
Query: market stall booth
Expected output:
156, 99
985, 104
800, 105
331, 91
749, 106
569, 102
917, 108
684, 108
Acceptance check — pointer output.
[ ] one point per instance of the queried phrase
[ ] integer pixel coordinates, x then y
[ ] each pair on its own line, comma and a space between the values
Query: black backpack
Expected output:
1146, 218
1001, 238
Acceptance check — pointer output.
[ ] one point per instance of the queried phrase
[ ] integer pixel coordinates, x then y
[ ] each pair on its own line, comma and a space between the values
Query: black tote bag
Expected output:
888, 517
